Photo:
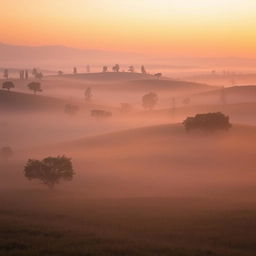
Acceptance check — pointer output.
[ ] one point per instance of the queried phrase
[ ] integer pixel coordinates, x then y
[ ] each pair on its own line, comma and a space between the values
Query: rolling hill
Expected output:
17, 101
234, 94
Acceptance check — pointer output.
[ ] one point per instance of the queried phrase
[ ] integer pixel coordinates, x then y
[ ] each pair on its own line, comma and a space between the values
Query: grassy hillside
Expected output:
167, 85
108, 76
141, 192
10, 100
234, 94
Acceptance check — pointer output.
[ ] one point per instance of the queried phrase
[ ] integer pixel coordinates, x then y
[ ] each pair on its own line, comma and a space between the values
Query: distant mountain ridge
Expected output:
14, 52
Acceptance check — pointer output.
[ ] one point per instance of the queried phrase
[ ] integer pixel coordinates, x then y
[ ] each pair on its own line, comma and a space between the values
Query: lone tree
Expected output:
131, 69
8, 85
6, 153
209, 122
50, 170
143, 70
70, 109
105, 69
149, 100
158, 75
116, 68
88, 94
125, 108
35, 87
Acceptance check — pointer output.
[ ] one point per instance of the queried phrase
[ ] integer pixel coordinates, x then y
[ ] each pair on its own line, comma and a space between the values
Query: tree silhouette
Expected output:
35, 87
131, 69
70, 109
116, 68
207, 122
143, 70
149, 100
88, 94
105, 69
158, 75
22, 75
50, 171
26, 74
74, 70
8, 85
125, 108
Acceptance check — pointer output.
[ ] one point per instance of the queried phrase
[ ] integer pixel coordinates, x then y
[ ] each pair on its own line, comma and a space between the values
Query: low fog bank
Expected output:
159, 161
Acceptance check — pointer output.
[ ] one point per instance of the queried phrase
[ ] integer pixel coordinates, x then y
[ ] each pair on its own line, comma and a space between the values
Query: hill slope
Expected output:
21, 101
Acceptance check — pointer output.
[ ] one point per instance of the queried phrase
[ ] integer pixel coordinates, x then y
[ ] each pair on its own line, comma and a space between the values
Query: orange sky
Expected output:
164, 27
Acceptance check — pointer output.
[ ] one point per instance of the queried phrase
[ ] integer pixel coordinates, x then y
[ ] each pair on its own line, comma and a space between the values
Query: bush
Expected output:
207, 122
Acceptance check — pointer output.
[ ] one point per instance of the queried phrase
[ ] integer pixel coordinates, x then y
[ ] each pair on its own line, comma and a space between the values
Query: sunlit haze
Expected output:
164, 27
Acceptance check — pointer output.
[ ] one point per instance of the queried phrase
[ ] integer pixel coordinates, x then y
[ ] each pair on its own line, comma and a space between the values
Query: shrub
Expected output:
208, 122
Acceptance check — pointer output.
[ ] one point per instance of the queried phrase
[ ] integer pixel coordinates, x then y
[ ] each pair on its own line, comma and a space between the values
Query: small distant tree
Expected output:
74, 70
143, 70
39, 75
207, 122
6, 73
26, 74
105, 69
60, 73
88, 94
50, 171
125, 108
6, 153
158, 75
34, 72
22, 75
131, 69
116, 68
8, 85
149, 100
35, 87
70, 109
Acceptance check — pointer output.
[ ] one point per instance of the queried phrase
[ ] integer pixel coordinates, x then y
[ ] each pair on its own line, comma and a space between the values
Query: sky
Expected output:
212, 28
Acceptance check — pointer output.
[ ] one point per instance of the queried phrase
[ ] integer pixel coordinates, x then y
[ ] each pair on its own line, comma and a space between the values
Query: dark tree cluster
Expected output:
50, 171
208, 122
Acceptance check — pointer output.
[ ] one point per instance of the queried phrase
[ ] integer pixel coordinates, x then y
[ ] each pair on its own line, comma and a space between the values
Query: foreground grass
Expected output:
60, 224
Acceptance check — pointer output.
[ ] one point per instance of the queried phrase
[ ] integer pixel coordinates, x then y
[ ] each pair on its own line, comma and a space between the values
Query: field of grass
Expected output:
57, 223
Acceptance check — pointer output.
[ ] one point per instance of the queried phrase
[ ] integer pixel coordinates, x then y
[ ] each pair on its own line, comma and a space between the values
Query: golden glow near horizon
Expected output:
170, 27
